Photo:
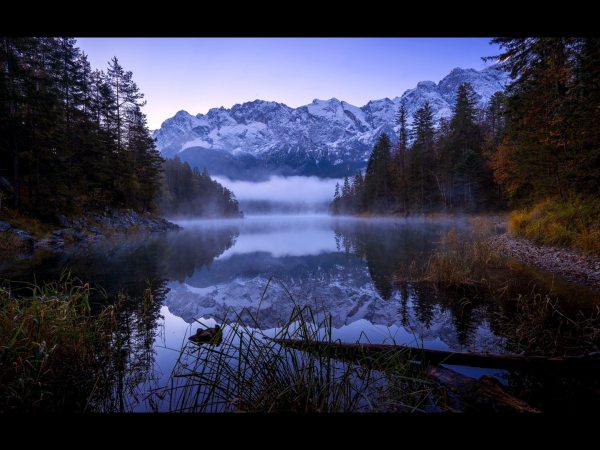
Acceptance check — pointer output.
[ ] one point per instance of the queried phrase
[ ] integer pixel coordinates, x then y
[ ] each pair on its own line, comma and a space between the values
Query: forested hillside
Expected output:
71, 137
188, 192
74, 139
537, 142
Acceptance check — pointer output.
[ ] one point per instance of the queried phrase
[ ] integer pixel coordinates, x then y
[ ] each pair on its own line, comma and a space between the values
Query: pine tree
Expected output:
357, 189
465, 146
378, 192
421, 156
335, 205
399, 159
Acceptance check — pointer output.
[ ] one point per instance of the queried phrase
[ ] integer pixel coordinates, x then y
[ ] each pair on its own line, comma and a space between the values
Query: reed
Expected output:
525, 308
464, 258
247, 371
59, 352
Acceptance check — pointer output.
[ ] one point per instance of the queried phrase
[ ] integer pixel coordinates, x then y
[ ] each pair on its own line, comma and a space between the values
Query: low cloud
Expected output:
284, 189
283, 195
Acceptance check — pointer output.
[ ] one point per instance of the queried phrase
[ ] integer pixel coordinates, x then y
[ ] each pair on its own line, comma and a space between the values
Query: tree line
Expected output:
73, 138
189, 192
431, 166
540, 138
550, 144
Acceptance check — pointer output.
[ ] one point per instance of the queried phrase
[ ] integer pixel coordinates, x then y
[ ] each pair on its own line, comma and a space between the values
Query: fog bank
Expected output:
283, 195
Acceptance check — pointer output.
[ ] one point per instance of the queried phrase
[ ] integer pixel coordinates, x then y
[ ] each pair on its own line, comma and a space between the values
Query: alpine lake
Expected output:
259, 269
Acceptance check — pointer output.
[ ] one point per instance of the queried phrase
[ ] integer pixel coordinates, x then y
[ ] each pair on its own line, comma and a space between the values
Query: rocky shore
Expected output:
93, 226
572, 264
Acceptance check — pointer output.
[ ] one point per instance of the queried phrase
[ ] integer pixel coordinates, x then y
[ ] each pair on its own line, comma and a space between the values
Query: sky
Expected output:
197, 74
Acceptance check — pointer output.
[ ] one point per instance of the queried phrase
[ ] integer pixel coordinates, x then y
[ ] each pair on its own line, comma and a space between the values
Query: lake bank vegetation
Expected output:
67, 347
248, 371
74, 141
535, 150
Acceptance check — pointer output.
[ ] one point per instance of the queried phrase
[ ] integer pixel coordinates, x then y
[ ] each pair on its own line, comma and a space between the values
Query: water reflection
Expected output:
263, 266
345, 267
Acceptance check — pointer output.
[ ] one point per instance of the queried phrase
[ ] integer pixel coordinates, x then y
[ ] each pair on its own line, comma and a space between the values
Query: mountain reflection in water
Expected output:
341, 266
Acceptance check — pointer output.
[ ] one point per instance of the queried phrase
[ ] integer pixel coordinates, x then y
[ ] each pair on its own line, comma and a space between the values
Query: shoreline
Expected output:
92, 226
574, 265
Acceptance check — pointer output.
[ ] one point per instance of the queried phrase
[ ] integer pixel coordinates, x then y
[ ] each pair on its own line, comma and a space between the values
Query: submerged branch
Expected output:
571, 364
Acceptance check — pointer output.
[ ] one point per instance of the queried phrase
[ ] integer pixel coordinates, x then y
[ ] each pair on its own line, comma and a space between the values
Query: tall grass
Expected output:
60, 353
464, 258
49, 359
573, 223
524, 309
248, 371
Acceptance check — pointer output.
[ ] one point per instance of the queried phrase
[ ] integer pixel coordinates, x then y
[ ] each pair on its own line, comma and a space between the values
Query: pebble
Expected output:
570, 263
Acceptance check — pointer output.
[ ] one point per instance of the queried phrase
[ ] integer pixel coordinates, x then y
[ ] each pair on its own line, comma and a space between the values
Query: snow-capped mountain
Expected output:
324, 138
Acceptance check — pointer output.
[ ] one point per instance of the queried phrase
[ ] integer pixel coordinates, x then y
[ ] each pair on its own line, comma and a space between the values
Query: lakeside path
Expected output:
572, 264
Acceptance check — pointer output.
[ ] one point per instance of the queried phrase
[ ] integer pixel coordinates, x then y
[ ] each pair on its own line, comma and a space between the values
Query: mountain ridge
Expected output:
326, 138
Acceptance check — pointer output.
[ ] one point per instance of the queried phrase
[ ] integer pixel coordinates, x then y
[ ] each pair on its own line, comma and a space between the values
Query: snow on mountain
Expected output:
322, 138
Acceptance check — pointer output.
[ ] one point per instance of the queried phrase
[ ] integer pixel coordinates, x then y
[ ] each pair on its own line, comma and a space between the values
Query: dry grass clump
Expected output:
11, 242
572, 223
52, 347
33, 226
464, 257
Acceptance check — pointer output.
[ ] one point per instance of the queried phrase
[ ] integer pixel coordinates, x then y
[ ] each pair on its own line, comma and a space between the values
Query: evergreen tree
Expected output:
421, 161
550, 146
335, 205
191, 193
465, 147
378, 192
357, 189
71, 137
399, 159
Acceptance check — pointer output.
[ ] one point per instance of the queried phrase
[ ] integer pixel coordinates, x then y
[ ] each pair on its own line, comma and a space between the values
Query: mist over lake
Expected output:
283, 195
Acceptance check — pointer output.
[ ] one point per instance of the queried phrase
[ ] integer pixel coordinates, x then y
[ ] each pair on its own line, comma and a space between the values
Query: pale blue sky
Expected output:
197, 74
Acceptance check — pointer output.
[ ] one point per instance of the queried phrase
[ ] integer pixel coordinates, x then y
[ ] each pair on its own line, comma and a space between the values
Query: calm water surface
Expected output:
263, 266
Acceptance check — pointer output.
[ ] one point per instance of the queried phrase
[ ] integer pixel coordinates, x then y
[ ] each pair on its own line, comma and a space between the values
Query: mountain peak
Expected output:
311, 139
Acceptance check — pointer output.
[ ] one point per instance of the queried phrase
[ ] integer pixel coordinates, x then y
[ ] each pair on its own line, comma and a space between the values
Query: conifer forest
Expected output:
73, 139
539, 139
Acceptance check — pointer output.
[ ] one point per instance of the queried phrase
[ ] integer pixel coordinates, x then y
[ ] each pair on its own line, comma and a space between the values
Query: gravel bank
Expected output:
572, 264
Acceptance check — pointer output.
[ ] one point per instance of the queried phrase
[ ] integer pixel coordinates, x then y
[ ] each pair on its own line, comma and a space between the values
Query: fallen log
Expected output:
459, 393
574, 365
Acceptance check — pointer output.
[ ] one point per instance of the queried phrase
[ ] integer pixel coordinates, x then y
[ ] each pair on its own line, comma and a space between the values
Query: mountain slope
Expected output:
327, 138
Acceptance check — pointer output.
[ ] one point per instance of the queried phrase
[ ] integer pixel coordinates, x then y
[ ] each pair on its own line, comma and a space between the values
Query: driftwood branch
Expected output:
575, 365
459, 393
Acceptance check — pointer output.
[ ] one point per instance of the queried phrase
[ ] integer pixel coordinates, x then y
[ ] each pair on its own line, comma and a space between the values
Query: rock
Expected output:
64, 222
571, 263
95, 230
4, 226
24, 236
80, 236
207, 335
